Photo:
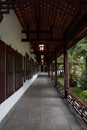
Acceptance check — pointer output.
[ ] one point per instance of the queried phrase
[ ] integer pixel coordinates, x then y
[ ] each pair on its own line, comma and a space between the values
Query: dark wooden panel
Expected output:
11, 68
18, 71
27, 66
2, 71
32, 68
9, 71
24, 68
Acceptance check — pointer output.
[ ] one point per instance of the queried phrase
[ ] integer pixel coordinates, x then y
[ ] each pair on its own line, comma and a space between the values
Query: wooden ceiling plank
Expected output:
23, 12
32, 31
82, 24
38, 18
42, 39
40, 1
52, 21
73, 18
53, 17
37, 11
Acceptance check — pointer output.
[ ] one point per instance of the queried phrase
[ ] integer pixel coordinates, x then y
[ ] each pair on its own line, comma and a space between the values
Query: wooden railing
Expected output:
61, 89
79, 105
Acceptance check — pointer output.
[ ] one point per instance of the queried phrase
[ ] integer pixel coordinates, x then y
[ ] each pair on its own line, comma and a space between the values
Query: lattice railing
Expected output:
79, 105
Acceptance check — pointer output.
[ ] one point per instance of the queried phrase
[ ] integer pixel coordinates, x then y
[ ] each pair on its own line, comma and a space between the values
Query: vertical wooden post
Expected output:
51, 67
55, 70
66, 70
48, 69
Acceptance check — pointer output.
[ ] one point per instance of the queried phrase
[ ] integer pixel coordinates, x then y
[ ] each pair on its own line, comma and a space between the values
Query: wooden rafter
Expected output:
24, 15
42, 39
76, 13
41, 53
52, 20
82, 33
68, 1
37, 11
37, 16
79, 28
32, 31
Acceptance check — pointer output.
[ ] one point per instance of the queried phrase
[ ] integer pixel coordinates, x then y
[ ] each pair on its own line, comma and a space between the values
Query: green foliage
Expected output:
77, 55
76, 90
77, 64
83, 80
80, 93
61, 80
60, 59
72, 80
83, 95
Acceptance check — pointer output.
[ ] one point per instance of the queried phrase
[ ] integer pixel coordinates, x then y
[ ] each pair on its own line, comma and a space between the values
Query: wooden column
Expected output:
55, 70
51, 69
52, 72
66, 70
48, 66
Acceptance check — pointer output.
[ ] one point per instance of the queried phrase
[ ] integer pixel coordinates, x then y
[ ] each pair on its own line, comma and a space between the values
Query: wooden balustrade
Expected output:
78, 104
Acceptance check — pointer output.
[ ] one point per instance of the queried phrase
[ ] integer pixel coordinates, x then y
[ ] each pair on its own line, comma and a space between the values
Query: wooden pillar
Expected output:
51, 69
66, 70
55, 70
48, 66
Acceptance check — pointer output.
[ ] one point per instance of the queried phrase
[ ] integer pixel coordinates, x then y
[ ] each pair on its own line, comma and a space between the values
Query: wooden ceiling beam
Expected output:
40, 1
42, 39
82, 33
32, 31
42, 53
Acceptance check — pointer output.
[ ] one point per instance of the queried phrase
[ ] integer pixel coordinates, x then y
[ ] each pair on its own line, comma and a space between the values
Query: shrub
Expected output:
72, 80
83, 95
83, 80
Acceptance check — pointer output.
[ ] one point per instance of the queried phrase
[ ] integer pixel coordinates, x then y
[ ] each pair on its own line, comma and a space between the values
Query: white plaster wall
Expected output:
10, 33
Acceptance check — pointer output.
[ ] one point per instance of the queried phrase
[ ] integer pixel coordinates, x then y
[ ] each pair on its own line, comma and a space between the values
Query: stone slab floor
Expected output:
41, 108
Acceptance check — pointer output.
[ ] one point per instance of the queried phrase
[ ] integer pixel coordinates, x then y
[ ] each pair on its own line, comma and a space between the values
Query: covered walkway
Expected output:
41, 108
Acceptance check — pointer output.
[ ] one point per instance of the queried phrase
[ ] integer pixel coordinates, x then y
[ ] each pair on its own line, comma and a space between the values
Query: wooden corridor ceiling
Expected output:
53, 23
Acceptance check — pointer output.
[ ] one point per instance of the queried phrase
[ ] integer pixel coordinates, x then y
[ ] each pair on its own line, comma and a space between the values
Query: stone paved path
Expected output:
41, 108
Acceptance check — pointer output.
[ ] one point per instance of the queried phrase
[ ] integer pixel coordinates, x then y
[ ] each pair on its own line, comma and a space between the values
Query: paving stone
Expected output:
41, 108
